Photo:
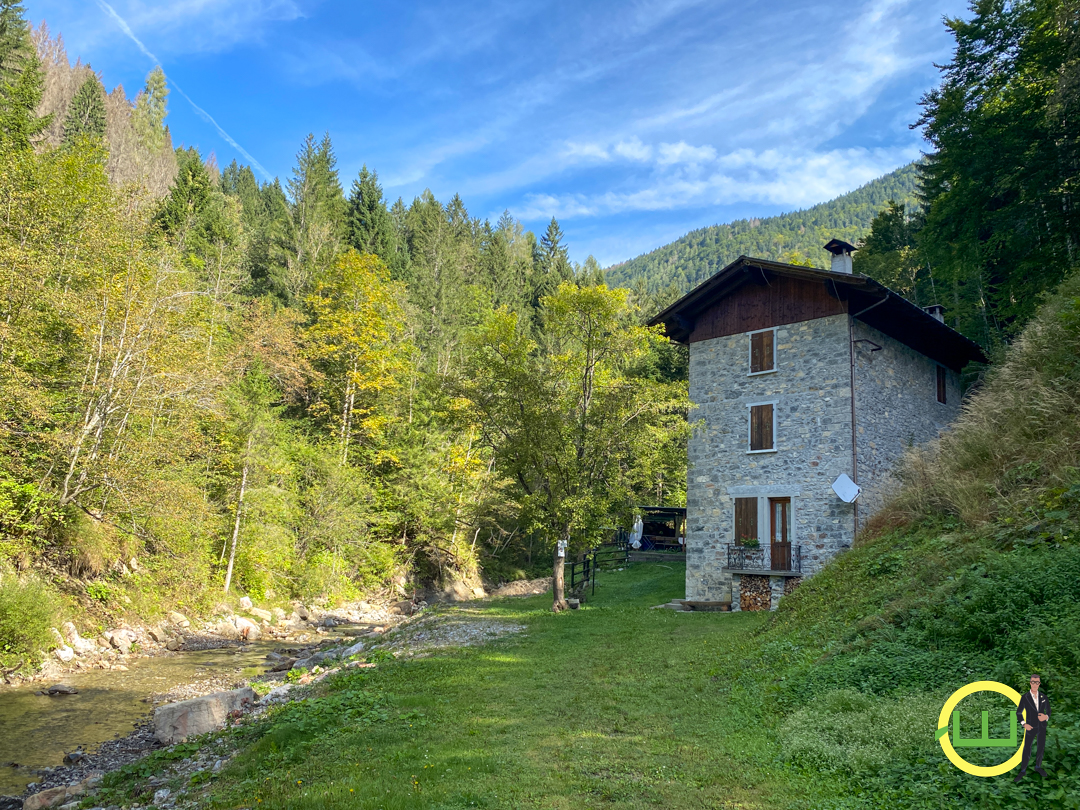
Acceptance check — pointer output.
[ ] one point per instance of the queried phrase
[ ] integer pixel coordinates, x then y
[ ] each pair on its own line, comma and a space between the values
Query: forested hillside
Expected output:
213, 386
795, 237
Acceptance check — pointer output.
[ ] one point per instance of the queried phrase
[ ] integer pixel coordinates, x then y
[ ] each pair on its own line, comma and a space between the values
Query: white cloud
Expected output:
633, 149
682, 152
770, 176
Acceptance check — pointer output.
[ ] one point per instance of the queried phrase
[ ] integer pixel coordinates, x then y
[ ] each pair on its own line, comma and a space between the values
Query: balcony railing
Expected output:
781, 558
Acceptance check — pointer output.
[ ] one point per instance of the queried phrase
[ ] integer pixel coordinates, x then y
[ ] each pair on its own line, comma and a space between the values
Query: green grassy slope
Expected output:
691, 259
972, 574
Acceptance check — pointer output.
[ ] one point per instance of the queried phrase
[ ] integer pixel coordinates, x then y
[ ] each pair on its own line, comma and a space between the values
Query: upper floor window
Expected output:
763, 351
941, 378
762, 427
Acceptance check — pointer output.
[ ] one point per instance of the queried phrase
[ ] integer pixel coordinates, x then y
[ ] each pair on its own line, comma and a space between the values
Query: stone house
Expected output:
800, 377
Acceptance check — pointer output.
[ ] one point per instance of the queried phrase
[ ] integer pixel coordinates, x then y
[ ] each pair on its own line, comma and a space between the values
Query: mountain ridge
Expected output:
795, 235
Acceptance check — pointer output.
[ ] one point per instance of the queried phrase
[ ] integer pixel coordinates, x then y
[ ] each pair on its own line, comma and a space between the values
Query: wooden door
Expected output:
780, 533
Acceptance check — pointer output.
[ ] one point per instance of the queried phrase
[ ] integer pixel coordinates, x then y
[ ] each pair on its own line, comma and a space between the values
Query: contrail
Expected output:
202, 113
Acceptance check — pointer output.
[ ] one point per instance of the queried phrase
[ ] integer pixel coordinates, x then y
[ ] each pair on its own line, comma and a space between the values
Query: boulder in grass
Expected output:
179, 619
265, 615
175, 722
245, 602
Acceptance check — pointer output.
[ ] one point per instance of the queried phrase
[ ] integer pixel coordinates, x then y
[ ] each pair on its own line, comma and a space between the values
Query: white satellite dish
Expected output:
846, 489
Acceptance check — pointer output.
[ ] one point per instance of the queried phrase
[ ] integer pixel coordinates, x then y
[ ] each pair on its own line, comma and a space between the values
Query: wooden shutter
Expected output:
761, 351
761, 427
745, 519
941, 385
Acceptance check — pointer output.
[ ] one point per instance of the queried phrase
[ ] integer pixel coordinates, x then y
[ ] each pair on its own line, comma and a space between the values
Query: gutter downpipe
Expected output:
851, 358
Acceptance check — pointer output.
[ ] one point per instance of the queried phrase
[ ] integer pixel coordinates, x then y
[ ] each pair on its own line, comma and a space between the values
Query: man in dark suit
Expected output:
1038, 714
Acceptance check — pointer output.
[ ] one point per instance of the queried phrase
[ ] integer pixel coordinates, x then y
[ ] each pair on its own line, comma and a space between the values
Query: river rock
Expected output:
81, 645
265, 615
65, 653
174, 644
227, 629
179, 619
245, 603
329, 622
278, 614
174, 722
158, 634
279, 694
303, 613
62, 689
47, 798
247, 628
120, 640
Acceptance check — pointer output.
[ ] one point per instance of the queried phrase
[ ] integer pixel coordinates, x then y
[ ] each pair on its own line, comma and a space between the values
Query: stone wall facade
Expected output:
895, 406
811, 389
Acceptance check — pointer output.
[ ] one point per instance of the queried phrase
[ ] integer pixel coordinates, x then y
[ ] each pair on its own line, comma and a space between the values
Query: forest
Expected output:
211, 385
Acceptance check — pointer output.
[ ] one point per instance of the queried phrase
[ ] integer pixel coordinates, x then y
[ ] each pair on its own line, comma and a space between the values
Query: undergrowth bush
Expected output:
27, 610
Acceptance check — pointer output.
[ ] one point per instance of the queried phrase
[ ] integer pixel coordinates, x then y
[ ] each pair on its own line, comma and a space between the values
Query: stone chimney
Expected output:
936, 311
841, 255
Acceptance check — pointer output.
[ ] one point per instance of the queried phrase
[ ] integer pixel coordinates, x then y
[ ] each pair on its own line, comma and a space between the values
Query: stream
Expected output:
37, 730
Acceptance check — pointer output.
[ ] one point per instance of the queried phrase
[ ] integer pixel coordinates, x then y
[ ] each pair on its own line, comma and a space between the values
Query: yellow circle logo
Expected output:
949, 711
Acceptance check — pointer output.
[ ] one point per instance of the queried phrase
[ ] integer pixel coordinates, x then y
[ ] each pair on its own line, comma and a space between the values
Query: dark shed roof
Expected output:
866, 299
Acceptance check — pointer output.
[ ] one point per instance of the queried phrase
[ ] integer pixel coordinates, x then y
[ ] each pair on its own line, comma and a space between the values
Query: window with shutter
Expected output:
941, 385
745, 520
761, 427
762, 351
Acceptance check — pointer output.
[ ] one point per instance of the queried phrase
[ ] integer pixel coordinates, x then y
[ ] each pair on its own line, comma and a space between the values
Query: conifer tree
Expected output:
551, 263
86, 113
369, 227
151, 108
20, 79
318, 219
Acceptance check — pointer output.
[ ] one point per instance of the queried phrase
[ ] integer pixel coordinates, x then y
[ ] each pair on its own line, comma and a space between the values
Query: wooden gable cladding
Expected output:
765, 301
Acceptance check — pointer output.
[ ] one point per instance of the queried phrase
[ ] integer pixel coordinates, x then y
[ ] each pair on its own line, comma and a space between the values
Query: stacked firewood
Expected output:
754, 593
790, 584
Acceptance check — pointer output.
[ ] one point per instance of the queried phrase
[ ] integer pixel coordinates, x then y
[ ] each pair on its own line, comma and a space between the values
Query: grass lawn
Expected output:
614, 705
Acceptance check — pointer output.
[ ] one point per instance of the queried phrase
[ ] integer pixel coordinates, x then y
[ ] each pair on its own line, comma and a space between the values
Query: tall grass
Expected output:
1017, 444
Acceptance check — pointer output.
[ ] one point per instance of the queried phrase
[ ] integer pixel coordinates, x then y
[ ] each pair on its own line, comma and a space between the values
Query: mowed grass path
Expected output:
614, 705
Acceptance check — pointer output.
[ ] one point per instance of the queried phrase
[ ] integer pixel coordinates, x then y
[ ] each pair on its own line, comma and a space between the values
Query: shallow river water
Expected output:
36, 730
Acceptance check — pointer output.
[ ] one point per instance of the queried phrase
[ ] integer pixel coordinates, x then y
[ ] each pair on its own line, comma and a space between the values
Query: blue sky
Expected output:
632, 122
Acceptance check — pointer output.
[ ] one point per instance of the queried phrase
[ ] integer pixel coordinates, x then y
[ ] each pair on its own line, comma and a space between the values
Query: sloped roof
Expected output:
868, 300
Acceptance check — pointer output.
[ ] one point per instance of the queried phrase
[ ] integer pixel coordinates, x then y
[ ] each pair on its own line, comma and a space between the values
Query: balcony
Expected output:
773, 559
